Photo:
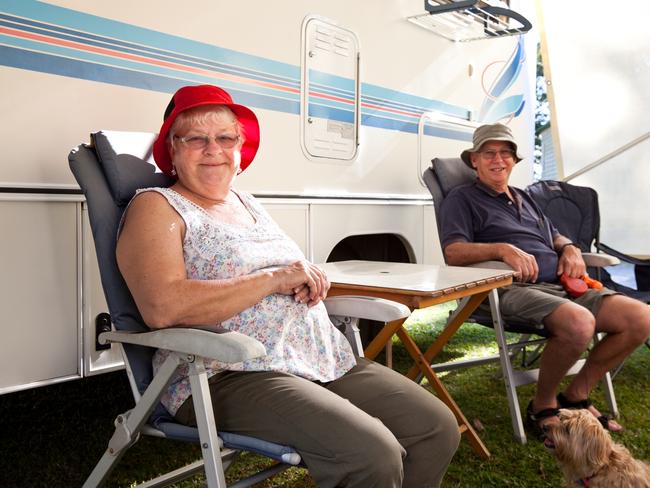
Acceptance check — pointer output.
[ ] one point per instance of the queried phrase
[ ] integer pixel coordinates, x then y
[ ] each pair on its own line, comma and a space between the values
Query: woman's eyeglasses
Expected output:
202, 141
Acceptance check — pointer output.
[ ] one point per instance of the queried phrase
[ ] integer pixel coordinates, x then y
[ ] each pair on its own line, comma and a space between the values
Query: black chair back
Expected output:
572, 209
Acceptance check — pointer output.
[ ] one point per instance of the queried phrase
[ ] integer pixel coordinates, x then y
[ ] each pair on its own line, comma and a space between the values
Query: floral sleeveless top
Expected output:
298, 339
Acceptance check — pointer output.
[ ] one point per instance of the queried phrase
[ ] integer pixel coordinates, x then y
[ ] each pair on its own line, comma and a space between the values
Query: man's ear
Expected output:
472, 157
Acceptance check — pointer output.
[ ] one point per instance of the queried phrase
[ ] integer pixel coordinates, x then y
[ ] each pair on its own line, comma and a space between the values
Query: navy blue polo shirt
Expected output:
476, 213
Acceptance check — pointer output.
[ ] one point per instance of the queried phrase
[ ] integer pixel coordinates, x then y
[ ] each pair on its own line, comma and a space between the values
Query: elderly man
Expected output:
490, 220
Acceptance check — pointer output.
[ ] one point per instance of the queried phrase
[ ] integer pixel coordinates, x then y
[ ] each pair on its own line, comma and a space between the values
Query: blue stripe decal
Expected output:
46, 38
412, 128
331, 91
422, 104
504, 108
331, 113
69, 67
510, 72
130, 48
46, 63
87, 23
492, 108
344, 84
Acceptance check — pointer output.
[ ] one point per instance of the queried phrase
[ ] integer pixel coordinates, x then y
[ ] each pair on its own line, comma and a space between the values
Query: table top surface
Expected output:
409, 277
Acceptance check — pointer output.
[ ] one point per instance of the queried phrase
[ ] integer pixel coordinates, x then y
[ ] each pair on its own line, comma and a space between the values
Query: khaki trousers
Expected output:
371, 428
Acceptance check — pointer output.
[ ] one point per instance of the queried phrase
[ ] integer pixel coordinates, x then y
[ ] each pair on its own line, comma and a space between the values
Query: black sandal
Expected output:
533, 419
564, 402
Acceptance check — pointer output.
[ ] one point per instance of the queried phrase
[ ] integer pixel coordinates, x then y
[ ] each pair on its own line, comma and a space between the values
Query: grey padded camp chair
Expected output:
441, 177
109, 171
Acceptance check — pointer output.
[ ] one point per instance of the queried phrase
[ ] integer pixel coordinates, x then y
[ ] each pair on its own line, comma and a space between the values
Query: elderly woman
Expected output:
201, 253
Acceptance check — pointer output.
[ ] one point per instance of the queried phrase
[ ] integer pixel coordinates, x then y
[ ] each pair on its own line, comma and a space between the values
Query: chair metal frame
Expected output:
440, 178
109, 177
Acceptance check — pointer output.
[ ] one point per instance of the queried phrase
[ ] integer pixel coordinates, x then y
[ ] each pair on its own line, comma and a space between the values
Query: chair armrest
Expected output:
491, 265
227, 347
370, 308
599, 260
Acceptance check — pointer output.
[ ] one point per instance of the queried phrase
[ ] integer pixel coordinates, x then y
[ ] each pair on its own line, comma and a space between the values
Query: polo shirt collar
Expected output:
483, 187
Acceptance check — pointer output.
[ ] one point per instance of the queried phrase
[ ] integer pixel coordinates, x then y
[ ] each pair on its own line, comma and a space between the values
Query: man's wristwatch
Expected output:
563, 246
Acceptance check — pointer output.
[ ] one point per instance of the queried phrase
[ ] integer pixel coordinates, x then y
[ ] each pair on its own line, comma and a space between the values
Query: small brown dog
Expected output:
588, 456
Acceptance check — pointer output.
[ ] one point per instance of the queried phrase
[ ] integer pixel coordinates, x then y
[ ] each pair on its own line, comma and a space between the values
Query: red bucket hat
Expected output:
195, 96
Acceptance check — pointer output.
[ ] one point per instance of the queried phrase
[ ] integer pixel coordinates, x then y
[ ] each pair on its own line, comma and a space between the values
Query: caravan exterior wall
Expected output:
71, 67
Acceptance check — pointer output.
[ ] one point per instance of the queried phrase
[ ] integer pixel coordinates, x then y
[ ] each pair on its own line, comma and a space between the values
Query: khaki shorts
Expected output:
530, 303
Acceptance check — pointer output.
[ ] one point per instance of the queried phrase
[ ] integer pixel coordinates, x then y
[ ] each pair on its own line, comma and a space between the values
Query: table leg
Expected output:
447, 333
382, 338
423, 365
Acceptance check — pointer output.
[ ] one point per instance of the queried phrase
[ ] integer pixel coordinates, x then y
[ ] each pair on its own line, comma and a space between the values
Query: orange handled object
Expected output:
592, 283
575, 287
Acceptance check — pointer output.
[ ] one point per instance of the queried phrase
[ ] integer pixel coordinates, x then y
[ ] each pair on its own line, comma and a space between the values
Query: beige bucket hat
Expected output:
490, 132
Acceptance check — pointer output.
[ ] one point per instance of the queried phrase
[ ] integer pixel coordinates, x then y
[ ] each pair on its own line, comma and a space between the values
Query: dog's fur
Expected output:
589, 457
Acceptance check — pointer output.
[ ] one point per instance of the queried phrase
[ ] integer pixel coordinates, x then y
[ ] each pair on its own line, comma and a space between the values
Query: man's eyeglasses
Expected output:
202, 141
504, 154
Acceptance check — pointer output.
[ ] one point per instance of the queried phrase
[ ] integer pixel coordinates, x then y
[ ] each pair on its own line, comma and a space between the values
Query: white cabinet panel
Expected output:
432, 251
293, 218
38, 292
103, 360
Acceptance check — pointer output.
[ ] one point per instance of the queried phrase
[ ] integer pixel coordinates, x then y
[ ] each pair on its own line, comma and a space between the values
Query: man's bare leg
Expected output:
627, 324
572, 328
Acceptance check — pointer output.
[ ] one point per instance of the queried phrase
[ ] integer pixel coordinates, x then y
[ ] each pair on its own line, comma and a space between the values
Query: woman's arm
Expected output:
150, 257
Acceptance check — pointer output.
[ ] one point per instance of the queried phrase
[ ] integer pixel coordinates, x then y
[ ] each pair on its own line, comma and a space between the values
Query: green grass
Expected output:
53, 436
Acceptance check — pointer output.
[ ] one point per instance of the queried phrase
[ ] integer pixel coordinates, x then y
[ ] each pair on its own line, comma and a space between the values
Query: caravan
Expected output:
353, 99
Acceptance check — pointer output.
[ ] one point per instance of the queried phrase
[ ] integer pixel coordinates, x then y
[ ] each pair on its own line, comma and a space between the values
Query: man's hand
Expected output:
304, 280
462, 253
571, 263
523, 264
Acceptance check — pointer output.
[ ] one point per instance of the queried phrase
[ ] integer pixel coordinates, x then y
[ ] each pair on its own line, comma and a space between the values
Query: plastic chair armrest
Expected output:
227, 347
599, 260
369, 308
491, 265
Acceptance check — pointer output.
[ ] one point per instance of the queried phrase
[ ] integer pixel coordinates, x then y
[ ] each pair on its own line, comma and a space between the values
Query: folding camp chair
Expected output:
574, 210
109, 171
441, 178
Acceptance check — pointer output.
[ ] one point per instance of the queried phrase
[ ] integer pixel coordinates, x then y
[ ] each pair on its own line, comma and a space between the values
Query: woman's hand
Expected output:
571, 262
304, 280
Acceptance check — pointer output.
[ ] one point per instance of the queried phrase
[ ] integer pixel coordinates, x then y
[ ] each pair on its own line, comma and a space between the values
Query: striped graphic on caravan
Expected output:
46, 38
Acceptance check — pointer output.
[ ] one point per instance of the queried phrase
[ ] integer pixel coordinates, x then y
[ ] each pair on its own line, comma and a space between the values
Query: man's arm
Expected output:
461, 253
457, 235
570, 257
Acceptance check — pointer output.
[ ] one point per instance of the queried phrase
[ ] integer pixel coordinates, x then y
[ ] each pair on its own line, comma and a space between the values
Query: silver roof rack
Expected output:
470, 20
